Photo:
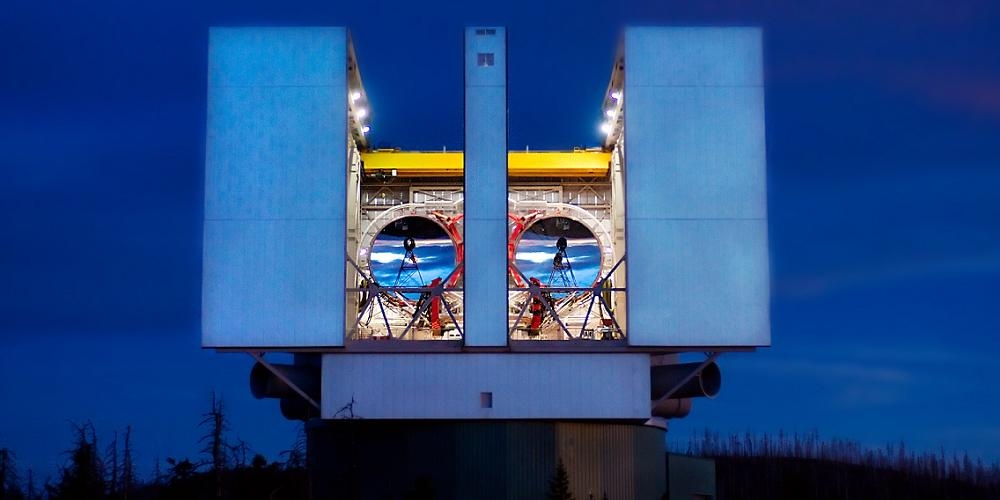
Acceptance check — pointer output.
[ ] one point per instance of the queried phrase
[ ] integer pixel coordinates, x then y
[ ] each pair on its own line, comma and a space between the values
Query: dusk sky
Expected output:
883, 135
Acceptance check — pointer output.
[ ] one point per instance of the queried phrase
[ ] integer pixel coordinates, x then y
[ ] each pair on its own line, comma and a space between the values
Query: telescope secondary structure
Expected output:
462, 318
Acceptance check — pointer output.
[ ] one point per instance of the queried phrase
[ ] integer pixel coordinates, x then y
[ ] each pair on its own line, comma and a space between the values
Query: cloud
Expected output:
839, 281
848, 384
901, 225
874, 372
978, 95
840, 371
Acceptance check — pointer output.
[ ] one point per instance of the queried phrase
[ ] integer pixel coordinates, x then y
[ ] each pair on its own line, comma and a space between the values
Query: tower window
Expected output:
484, 59
486, 31
486, 400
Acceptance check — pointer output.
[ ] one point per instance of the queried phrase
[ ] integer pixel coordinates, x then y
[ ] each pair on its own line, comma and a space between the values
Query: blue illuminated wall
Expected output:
485, 187
275, 175
695, 187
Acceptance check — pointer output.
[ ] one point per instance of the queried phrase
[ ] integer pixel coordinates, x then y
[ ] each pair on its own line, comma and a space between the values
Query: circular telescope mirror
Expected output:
411, 252
559, 252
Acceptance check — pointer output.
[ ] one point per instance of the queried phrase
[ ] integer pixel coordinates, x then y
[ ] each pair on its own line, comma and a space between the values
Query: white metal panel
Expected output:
694, 56
275, 188
485, 282
272, 153
448, 386
261, 285
711, 283
278, 56
695, 187
485, 206
696, 152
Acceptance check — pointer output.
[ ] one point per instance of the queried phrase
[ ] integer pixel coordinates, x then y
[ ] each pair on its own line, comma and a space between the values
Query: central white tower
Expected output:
486, 186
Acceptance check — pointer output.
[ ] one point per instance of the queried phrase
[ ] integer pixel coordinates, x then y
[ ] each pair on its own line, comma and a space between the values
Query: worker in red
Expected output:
536, 308
435, 309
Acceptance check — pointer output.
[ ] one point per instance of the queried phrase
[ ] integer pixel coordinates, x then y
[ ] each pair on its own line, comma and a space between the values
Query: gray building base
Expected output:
691, 477
420, 459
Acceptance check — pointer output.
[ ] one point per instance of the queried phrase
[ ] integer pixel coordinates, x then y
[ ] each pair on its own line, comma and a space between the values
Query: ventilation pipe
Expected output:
265, 384
672, 408
664, 378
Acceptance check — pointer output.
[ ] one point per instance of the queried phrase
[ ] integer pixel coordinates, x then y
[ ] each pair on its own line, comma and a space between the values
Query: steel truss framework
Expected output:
557, 312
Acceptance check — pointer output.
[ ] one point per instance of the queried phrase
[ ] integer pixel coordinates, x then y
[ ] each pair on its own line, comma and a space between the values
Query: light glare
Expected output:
355, 96
606, 128
361, 113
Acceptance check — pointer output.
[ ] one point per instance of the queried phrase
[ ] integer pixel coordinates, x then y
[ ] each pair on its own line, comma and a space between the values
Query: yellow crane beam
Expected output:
519, 163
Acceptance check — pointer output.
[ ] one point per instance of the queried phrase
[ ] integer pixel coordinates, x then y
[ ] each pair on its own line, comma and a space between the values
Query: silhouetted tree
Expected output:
10, 488
83, 477
295, 457
31, 494
47, 488
111, 459
804, 466
157, 472
239, 453
347, 411
181, 469
181, 480
296, 479
128, 465
559, 485
214, 440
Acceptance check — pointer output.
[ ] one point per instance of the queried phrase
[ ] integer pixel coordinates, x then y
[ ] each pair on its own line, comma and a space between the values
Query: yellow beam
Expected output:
519, 163
558, 163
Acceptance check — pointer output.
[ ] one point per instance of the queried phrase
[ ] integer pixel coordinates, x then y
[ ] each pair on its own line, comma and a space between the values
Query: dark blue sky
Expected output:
884, 163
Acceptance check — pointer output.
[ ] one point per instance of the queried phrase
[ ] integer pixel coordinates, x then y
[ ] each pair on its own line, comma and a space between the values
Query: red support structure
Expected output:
435, 309
520, 224
537, 309
451, 227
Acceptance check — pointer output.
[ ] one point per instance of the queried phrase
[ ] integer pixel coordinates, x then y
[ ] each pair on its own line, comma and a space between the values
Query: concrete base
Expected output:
690, 477
421, 459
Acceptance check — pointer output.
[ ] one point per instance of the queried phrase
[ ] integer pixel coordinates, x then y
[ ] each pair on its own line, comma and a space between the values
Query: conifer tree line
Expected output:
748, 466
797, 465
227, 467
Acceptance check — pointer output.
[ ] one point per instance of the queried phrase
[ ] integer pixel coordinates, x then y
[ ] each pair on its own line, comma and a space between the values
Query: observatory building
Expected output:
462, 321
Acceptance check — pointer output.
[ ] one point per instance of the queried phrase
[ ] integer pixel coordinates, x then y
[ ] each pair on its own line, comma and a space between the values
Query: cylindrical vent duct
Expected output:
672, 408
264, 384
298, 409
665, 377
